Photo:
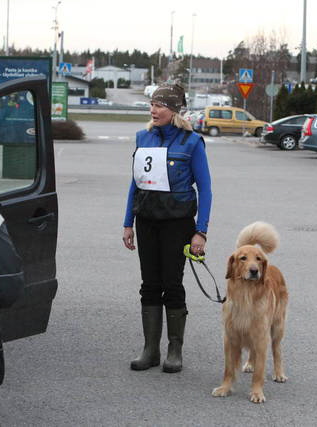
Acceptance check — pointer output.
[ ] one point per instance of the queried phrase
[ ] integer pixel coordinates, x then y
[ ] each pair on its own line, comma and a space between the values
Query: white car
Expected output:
102, 101
141, 104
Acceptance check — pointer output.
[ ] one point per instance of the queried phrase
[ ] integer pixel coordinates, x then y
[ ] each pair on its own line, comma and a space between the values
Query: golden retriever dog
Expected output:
254, 311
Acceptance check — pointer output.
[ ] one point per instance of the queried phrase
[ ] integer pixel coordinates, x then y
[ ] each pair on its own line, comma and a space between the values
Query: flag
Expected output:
90, 66
180, 47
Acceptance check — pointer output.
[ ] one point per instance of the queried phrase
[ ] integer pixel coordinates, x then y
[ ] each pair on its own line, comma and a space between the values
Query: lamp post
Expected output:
303, 47
171, 45
7, 38
55, 28
191, 62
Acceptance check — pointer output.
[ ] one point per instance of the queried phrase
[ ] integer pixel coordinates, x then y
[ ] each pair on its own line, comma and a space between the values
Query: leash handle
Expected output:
201, 260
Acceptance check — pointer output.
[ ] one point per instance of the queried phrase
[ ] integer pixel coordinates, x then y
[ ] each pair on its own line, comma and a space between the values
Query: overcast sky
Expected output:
219, 25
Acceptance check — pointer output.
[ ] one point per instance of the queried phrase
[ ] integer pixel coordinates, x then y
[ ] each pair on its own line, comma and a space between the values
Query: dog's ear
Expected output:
230, 267
264, 268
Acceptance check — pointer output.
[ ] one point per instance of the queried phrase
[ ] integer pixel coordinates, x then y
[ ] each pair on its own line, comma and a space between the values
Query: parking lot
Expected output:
77, 374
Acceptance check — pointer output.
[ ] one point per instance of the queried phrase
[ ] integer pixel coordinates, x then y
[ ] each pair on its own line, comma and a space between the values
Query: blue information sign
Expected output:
17, 110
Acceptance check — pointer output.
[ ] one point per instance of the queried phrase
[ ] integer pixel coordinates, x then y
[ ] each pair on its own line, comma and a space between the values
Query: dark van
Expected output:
28, 209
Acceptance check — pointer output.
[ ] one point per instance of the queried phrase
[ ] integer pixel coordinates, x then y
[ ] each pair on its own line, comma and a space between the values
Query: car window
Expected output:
226, 114
295, 121
240, 115
215, 114
299, 120
18, 152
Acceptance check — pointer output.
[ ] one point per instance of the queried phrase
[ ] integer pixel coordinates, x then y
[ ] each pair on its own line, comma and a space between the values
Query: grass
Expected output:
108, 117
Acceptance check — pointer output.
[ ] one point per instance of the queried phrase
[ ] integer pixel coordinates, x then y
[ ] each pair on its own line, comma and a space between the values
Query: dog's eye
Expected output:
243, 258
258, 258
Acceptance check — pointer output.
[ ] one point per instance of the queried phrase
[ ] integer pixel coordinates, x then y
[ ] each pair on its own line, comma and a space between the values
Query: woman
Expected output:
168, 160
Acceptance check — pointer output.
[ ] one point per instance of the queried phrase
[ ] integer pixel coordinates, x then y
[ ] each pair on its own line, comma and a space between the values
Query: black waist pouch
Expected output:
164, 205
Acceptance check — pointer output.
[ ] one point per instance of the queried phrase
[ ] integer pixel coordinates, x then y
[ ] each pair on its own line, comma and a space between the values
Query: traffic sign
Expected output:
245, 89
272, 89
65, 68
245, 75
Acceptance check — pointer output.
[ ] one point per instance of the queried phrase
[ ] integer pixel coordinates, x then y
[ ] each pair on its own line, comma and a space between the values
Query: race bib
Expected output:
150, 169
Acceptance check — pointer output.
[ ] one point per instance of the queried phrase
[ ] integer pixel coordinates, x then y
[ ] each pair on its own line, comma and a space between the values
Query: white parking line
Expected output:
103, 137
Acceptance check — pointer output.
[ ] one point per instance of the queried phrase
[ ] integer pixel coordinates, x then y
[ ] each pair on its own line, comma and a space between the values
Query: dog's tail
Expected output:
259, 233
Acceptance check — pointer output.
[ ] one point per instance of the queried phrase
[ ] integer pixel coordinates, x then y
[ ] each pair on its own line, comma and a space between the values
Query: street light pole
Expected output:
55, 28
171, 45
191, 62
7, 38
303, 49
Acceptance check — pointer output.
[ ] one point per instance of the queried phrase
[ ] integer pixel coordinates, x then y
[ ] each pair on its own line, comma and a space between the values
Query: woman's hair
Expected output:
177, 120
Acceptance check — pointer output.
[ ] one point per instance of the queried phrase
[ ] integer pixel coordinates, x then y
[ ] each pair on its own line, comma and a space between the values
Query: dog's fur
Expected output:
254, 311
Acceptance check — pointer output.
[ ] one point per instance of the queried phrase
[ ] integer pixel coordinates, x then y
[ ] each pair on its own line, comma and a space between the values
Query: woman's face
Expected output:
160, 115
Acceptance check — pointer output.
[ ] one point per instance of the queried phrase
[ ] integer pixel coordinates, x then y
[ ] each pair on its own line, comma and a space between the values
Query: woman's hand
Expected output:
128, 238
197, 245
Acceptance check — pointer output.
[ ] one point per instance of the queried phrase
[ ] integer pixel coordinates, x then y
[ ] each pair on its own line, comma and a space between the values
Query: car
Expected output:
142, 104
191, 116
199, 122
102, 101
28, 208
233, 120
308, 139
285, 132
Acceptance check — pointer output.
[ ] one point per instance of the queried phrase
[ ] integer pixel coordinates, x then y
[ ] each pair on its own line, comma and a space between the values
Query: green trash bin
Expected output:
19, 161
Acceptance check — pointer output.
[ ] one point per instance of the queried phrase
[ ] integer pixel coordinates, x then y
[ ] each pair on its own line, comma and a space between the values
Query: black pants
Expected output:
160, 246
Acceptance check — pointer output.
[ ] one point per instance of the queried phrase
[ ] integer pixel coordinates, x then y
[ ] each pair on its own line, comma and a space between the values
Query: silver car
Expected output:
308, 139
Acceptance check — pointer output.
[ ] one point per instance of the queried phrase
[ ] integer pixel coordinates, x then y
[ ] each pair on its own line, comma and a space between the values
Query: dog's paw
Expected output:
221, 392
280, 378
248, 368
257, 397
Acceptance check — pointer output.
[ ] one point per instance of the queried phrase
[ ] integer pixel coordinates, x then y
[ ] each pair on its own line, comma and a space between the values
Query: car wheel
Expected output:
288, 142
258, 132
213, 131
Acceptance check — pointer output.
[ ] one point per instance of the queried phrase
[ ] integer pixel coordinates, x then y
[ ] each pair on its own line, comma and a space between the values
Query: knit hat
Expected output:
171, 96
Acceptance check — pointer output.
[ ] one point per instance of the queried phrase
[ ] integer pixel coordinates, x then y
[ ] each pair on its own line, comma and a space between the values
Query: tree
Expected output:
97, 88
262, 54
281, 100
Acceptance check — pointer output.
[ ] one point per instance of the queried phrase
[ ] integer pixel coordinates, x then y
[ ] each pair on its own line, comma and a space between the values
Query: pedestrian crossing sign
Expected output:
245, 75
64, 68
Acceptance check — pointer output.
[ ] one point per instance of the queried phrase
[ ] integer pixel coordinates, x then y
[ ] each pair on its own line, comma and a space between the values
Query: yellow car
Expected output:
230, 120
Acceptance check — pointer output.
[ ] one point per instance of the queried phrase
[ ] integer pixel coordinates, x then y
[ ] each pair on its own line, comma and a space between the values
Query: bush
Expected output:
66, 129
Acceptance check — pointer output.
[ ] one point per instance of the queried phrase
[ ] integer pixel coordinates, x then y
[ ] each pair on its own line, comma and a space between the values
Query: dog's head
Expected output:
247, 263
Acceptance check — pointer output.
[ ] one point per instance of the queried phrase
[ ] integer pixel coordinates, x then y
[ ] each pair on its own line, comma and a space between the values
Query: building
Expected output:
136, 76
206, 73
77, 88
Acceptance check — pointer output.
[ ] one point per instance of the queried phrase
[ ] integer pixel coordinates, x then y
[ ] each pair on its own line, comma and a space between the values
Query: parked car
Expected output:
102, 101
284, 132
141, 104
230, 120
308, 139
28, 209
199, 122
191, 116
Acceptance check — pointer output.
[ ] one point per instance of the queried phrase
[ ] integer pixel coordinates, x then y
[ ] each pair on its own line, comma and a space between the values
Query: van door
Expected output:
28, 201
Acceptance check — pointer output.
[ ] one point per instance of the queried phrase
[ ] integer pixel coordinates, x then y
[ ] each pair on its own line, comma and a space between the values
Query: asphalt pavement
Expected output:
77, 373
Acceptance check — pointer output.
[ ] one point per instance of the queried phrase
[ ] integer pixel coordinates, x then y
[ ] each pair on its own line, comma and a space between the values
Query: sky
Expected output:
210, 27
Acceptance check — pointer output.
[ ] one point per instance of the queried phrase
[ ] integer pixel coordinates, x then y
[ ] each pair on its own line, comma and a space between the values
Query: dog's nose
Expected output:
254, 271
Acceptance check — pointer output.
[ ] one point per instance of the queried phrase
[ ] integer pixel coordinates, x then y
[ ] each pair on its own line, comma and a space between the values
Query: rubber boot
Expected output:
152, 320
1, 362
176, 319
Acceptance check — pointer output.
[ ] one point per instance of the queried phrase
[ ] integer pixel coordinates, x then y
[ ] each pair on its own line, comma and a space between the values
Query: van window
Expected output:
226, 114
215, 114
240, 115
18, 141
